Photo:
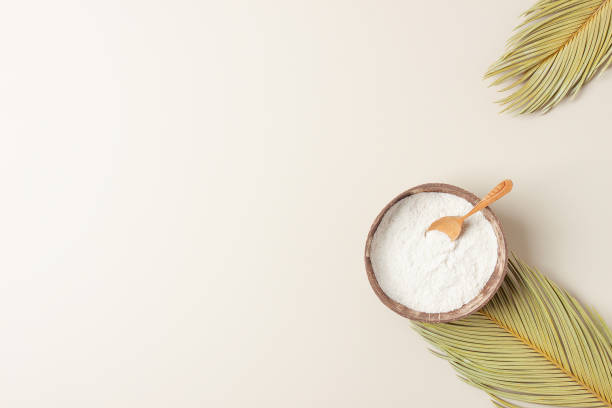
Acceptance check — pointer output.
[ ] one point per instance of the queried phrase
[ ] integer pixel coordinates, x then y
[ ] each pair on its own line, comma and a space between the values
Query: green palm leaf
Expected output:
560, 46
532, 342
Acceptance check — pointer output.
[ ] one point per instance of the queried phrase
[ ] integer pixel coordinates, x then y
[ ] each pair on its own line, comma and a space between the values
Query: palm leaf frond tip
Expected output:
559, 47
532, 342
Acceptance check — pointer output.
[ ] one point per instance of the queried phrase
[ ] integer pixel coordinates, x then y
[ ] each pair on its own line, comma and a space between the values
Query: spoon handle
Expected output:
498, 192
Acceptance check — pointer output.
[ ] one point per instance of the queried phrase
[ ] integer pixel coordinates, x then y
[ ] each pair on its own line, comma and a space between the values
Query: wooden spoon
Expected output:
451, 226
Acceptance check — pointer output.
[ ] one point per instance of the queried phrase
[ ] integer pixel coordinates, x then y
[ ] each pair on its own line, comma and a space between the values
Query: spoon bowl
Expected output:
451, 226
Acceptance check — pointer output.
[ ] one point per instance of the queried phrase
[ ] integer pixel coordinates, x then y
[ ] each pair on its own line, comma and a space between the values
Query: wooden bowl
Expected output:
485, 294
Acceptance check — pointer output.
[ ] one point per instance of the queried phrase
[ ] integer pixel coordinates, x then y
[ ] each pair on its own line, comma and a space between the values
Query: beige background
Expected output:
187, 187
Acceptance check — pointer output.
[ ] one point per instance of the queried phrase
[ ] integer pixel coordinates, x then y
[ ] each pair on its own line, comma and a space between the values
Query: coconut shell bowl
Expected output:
487, 291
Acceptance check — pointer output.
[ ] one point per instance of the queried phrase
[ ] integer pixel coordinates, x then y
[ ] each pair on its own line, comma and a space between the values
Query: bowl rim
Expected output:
483, 296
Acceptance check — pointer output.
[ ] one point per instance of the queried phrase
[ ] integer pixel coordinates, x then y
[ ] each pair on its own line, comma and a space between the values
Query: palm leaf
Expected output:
532, 342
560, 46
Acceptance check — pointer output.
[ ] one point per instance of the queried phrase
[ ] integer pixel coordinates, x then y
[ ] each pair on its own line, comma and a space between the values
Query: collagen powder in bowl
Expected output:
424, 275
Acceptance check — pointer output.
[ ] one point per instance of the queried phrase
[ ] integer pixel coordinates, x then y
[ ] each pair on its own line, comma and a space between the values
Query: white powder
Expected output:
429, 272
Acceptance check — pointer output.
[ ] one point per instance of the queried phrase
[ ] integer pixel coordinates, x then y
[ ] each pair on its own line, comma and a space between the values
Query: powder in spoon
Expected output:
427, 271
